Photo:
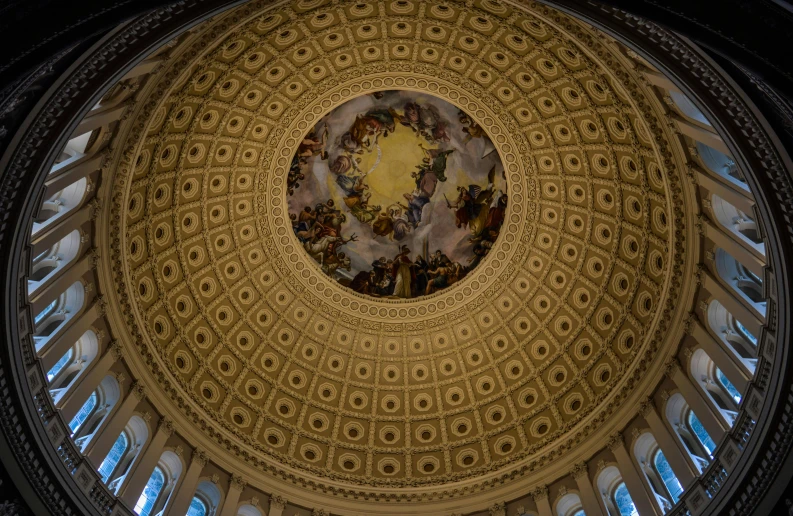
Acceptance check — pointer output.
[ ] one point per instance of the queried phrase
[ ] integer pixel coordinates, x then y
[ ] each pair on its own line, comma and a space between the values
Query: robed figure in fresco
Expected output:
472, 205
403, 273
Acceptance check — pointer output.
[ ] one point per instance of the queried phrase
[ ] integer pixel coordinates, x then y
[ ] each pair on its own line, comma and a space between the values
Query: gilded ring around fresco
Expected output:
397, 194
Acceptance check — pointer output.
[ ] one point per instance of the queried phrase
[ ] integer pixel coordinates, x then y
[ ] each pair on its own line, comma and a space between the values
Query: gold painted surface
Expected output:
513, 365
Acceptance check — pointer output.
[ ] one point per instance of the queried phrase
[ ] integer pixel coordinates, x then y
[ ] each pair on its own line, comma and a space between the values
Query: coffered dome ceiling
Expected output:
510, 366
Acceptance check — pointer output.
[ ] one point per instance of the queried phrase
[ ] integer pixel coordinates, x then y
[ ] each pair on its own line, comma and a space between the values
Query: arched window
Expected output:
60, 204
736, 337
623, 502
197, 507
56, 258
689, 431
206, 501
615, 495
740, 224
94, 411
137, 432
696, 428
741, 280
668, 477
115, 454
56, 313
160, 485
723, 395
82, 415
150, 493
569, 505
722, 165
59, 365
687, 107
248, 510
728, 387
76, 360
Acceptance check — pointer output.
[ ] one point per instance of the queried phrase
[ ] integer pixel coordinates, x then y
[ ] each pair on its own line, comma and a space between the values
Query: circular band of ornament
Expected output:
274, 218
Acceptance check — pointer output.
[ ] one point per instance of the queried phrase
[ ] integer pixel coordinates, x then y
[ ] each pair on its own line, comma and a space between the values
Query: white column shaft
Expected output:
137, 478
681, 467
101, 445
632, 478
185, 490
714, 425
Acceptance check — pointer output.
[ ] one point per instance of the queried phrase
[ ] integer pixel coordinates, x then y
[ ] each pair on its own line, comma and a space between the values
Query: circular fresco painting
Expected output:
397, 194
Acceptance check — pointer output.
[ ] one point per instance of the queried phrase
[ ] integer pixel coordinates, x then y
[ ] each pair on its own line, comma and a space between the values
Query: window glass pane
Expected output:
115, 454
579, 513
83, 414
197, 508
150, 492
668, 476
44, 313
746, 333
701, 433
623, 500
729, 387
60, 364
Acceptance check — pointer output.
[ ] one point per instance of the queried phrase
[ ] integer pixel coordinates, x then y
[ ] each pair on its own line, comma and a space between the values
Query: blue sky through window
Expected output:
150, 493
701, 433
60, 364
728, 386
78, 420
623, 500
668, 476
115, 454
197, 508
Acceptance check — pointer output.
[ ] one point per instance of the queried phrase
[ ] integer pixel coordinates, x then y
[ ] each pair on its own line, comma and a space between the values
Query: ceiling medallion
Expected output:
397, 194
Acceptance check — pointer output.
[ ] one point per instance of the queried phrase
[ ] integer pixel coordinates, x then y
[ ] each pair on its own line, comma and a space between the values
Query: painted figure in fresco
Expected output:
322, 227
425, 121
472, 205
313, 145
403, 273
399, 221
470, 127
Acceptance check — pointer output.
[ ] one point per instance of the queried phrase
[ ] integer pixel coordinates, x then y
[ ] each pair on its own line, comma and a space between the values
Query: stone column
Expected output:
540, 497
738, 198
732, 366
277, 505
738, 307
631, 476
185, 490
741, 251
236, 486
88, 382
589, 499
714, 425
681, 467
138, 477
102, 444
57, 346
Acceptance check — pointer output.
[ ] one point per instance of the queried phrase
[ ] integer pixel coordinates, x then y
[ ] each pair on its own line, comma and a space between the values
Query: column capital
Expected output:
319, 512
672, 367
646, 407
199, 457
237, 482
580, 470
116, 349
138, 390
277, 502
616, 440
498, 509
166, 425
690, 322
540, 493
101, 305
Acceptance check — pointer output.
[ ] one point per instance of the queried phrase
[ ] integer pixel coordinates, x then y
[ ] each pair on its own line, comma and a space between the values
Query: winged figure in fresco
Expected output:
473, 204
